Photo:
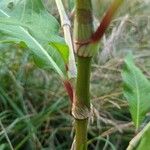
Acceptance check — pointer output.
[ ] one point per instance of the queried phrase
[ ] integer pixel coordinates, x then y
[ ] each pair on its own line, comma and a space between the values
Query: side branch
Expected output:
65, 22
106, 20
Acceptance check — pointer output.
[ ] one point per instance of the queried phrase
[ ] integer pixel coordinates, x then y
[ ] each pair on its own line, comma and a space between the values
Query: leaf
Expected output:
63, 49
136, 91
144, 143
28, 22
3, 146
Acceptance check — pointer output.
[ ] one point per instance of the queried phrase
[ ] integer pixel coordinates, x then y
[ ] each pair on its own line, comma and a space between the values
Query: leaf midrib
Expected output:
40, 46
138, 100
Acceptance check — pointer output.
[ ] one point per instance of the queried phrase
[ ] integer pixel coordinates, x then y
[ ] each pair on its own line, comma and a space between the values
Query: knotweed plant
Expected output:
27, 23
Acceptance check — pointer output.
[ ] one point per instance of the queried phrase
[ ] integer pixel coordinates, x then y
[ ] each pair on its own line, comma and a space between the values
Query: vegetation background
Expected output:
34, 108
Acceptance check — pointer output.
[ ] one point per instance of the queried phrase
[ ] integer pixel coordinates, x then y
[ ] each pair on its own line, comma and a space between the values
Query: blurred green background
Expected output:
34, 108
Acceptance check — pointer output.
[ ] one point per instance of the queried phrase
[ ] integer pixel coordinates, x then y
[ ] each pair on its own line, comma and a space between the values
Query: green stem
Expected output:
83, 98
83, 30
83, 80
83, 24
81, 134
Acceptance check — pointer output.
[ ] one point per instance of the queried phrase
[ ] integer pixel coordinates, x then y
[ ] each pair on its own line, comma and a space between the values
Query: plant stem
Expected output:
83, 30
83, 99
83, 80
83, 24
65, 22
81, 134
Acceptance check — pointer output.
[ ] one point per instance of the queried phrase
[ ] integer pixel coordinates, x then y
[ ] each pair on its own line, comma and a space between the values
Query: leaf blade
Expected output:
136, 91
30, 29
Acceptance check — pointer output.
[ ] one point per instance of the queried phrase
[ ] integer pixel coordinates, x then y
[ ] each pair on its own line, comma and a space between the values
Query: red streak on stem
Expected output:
69, 89
106, 21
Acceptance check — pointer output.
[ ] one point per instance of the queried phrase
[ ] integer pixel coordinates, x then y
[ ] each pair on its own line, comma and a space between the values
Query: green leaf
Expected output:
28, 22
144, 143
136, 91
63, 49
3, 146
